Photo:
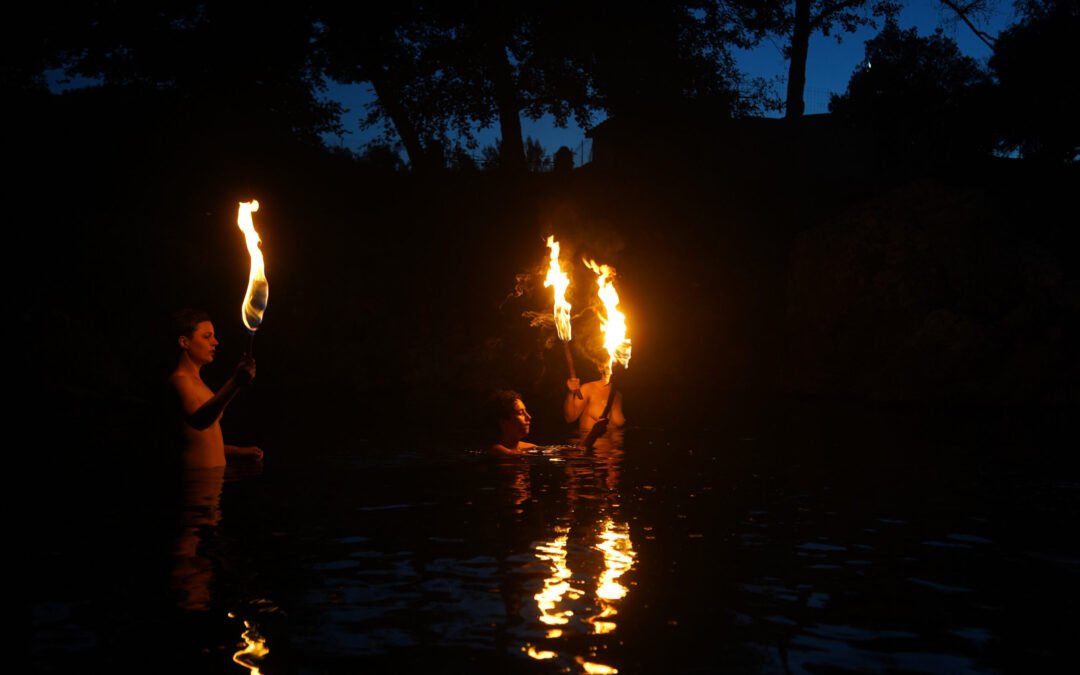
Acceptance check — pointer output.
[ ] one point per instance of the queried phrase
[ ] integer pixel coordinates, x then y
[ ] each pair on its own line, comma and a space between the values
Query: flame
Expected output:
560, 281
612, 321
258, 289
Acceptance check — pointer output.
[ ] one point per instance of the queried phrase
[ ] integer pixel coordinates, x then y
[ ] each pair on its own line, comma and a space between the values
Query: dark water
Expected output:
806, 549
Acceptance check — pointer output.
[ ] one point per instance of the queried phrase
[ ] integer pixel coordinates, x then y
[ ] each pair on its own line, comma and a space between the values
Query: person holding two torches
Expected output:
599, 407
596, 405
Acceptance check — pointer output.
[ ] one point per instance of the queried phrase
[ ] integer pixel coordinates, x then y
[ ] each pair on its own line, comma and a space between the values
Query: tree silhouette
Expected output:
381, 45
967, 10
442, 71
924, 100
797, 20
536, 158
228, 65
648, 59
1037, 97
231, 66
563, 160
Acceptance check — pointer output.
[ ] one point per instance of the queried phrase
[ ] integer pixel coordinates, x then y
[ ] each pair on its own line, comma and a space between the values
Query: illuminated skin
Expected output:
204, 445
586, 411
513, 429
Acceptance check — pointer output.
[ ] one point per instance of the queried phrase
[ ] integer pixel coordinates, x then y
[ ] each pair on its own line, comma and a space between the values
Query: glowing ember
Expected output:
559, 280
612, 321
258, 290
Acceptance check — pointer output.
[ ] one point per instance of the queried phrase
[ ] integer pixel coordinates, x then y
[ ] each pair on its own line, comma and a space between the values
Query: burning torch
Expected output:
258, 289
559, 281
613, 326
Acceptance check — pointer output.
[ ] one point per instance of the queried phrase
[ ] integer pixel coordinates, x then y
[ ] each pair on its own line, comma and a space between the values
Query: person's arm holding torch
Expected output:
574, 403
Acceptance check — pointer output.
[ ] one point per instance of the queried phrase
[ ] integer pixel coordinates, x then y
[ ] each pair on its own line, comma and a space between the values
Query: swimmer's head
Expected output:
508, 418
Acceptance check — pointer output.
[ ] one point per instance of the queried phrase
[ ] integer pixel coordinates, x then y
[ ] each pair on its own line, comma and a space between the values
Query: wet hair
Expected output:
499, 407
186, 320
501, 404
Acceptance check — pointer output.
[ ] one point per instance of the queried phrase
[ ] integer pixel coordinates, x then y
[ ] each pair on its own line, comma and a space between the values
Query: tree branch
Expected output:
961, 12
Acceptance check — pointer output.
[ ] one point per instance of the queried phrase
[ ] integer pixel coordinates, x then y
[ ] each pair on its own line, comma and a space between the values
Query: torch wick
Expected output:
251, 345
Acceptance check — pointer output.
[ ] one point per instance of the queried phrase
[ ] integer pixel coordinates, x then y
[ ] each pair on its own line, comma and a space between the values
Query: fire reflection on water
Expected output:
199, 553
557, 584
582, 565
618, 559
254, 648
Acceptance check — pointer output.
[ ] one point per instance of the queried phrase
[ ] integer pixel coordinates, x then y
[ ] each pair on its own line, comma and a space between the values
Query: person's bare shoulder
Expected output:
179, 379
500, 449
183, 382
191, 392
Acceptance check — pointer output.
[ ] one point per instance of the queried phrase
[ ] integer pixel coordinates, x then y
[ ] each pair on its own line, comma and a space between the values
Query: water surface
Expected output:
695, 553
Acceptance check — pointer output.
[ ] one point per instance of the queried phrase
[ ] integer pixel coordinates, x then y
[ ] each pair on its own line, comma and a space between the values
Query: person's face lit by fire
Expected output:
201, 344
517, 425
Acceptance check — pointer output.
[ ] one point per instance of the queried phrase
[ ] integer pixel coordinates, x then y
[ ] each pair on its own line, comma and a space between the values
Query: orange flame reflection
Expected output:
596, 668
612, 321
618, 558
258, 290
254, 650
559, 280
556, 585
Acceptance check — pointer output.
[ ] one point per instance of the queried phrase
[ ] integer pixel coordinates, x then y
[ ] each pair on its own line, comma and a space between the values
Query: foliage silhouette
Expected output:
924, 101
1037, 99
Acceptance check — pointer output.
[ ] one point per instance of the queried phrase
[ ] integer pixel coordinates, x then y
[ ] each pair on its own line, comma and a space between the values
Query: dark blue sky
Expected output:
829, 67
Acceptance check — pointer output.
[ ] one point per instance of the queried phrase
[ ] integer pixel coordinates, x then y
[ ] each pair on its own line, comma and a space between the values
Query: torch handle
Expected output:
570, 367
603, 420
610, 396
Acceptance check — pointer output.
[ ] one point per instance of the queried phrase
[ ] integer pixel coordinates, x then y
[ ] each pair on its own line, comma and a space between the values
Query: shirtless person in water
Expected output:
204, 445
586, 411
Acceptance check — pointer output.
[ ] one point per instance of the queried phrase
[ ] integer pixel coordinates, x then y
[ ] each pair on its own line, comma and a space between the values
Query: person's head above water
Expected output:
508, 418
195, 335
